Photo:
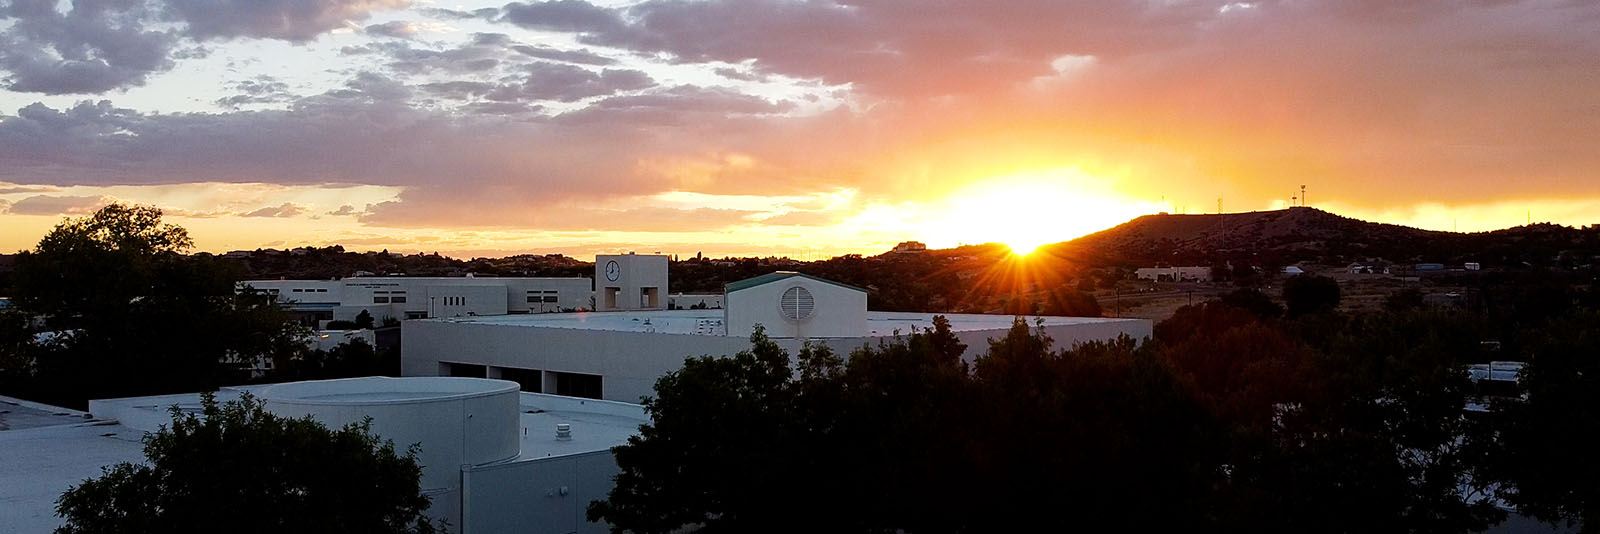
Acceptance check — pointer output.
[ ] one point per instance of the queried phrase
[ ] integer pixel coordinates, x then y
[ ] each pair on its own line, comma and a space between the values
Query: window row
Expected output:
547, 295
388, 297
306, 290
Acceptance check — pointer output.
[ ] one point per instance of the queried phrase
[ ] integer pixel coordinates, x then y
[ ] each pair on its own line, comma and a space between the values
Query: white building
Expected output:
404, 297
794, 305
1174, 274
630, 282
493, 459
619, 355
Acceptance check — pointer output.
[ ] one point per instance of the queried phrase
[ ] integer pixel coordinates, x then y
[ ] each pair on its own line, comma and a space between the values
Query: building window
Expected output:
538, 296
380, 297
465, 370
398, 297
529, 379
578, 385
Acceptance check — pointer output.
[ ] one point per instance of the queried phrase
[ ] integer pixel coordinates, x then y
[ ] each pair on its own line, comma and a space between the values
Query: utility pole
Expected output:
1302, 195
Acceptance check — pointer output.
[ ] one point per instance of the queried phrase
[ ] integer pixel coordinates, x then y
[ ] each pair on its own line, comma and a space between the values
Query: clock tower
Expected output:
630, 282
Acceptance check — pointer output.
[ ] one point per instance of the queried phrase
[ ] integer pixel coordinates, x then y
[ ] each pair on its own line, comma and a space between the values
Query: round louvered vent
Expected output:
796, 304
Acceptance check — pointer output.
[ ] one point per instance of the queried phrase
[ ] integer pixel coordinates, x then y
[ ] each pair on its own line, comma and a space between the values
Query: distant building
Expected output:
909, 247
1368, 268
1174, 274
404, 297
1293, 270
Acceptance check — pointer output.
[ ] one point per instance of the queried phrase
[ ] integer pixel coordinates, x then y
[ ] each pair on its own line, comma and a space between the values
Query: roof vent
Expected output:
563, 432
796, 304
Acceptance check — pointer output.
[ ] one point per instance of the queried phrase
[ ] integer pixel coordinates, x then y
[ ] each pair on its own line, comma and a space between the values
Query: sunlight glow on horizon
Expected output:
1030, 209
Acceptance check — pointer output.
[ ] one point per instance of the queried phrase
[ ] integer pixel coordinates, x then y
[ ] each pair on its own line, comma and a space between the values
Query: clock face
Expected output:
613, 270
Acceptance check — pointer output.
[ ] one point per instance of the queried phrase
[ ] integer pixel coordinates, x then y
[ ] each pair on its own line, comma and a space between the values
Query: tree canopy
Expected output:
125, 312
1224, 422
237, 468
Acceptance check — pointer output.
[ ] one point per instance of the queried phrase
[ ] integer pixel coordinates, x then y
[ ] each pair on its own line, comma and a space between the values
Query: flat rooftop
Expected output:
709, 322
49, 449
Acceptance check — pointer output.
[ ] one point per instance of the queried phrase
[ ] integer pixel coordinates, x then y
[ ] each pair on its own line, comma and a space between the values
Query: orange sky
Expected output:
799, 128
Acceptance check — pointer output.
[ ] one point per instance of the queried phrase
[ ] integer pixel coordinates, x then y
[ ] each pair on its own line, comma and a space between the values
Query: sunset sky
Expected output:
786, 127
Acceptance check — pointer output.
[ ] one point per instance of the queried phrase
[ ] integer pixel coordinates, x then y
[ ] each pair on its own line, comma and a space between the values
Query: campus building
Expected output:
405, 297
619, 355
494, 459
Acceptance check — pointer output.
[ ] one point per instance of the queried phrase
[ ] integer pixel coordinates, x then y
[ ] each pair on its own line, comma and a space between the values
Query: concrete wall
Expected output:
630, 362
838, 312
537, 496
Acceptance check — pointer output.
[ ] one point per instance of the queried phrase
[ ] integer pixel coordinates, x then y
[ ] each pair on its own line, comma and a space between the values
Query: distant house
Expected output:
1293, 270
1368, 268
910, 247
1174, 274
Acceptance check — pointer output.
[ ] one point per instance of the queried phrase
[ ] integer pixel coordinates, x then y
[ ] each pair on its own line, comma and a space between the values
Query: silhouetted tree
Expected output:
364, 320
238, 468
1305, 294
1253, 301
132, 315
1551, 437
1403, 300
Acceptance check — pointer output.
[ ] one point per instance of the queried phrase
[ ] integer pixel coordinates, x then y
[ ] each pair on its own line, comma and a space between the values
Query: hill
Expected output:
1307, 234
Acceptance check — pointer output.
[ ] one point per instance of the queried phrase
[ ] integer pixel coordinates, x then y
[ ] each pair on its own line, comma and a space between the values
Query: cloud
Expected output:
262, 89
289, 20
58, 205
804, 218
1370, 103
562, 15
286, 209
553, 217
398, 29
582, 57
456, 14
345, 210
567, 83
93, 47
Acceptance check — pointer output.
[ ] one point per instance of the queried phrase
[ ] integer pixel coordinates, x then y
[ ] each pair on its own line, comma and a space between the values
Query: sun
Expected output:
1031, 210
1022, 247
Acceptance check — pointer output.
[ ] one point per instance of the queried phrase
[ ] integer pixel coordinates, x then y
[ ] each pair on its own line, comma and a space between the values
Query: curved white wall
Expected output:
456, 421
